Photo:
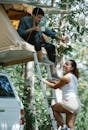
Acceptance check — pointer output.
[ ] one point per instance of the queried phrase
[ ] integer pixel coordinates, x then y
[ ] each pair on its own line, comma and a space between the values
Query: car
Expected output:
11, 107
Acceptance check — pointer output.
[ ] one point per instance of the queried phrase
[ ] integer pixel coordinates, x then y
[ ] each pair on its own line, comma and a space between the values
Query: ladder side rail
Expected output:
49, 109
50, 77
40, 78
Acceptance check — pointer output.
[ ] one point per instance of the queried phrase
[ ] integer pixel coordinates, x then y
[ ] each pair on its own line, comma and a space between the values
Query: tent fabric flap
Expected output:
18, 1
13, 49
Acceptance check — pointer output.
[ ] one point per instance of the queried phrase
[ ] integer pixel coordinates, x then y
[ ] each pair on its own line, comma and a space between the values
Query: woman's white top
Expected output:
70, 89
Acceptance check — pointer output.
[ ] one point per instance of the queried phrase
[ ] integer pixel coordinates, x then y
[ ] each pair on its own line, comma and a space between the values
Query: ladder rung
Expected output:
44, 63
51, 97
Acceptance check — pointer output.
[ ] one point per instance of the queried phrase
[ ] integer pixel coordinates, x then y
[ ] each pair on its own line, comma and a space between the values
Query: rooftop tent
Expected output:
18, 1
13, 49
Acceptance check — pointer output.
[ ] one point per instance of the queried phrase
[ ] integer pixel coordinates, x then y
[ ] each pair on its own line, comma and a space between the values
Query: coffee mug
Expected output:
42, 28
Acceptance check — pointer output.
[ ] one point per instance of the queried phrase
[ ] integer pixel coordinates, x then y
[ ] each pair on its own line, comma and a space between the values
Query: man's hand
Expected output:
36, 28
63, 39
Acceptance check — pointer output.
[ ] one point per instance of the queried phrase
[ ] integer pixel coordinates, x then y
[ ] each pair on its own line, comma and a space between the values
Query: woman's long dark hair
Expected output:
75, 69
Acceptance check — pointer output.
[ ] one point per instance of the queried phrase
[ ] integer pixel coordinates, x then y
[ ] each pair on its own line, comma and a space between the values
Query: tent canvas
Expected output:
18, 1
13, 49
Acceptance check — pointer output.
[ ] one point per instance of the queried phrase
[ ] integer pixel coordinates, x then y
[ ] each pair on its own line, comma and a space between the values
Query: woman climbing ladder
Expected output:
70, 103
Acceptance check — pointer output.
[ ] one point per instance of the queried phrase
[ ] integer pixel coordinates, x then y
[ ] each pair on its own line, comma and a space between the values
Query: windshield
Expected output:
5, 87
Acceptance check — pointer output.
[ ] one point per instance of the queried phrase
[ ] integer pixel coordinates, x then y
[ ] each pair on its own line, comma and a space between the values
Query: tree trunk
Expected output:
31, 122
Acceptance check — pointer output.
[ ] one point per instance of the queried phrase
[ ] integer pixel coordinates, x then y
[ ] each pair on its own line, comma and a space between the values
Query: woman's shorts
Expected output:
71, 104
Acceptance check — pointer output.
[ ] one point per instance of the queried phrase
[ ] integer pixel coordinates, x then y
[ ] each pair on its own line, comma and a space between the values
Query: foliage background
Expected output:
76, 28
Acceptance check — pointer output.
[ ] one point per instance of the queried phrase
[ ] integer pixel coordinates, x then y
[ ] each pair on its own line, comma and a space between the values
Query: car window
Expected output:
5, 87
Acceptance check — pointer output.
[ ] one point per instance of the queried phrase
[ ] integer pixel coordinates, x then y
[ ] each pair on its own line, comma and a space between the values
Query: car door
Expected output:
10, 106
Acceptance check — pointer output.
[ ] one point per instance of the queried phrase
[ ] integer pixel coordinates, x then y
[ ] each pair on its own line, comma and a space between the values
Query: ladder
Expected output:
42, 85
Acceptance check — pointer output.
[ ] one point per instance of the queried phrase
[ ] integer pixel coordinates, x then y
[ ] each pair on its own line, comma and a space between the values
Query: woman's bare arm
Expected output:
58, 84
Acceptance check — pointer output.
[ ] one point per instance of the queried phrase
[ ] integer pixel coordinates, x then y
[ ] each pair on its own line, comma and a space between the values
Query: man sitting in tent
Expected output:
30, 30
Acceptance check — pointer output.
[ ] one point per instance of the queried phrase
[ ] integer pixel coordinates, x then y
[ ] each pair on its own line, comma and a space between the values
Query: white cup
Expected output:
42, 28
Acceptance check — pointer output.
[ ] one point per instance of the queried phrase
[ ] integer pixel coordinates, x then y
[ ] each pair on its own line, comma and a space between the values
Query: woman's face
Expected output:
67, 67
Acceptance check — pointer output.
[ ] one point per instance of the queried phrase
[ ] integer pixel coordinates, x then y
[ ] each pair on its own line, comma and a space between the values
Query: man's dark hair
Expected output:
38, 11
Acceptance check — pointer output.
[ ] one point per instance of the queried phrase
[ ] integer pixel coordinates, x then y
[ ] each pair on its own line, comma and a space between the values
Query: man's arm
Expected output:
22, 28
53, 34
36, 28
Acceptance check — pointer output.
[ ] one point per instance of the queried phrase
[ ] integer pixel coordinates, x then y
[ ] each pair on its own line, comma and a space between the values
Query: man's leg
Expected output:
35, 39
50, 51
51, 54
40, 55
